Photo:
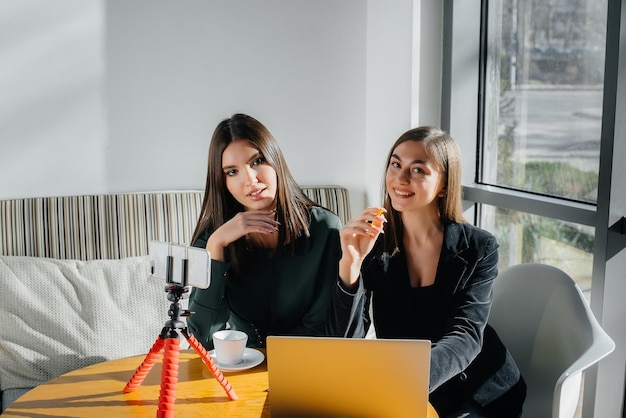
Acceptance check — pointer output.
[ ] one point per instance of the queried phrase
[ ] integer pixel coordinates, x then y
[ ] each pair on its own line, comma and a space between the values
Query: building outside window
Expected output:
542, 124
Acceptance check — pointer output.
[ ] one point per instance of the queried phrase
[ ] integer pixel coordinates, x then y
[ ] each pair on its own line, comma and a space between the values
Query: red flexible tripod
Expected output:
168, 343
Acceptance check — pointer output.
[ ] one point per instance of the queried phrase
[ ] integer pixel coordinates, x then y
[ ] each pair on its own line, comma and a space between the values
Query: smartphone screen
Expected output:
187, 266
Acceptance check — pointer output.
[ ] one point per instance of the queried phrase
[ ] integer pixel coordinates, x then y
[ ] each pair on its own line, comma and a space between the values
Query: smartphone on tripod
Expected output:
180, 265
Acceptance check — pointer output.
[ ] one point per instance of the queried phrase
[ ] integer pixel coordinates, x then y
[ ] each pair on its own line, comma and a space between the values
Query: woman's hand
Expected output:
243, 223
357, 240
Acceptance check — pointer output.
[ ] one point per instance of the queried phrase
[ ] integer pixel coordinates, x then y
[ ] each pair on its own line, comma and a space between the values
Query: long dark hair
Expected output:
446, 155
292, 205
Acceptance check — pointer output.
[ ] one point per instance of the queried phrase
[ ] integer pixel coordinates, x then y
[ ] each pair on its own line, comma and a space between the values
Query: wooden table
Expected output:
96, 391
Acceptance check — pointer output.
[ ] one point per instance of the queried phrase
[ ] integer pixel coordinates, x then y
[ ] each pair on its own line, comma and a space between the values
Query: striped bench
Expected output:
115, 226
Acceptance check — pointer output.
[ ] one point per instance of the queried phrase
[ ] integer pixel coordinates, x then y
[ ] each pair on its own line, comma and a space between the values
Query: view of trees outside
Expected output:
542, 123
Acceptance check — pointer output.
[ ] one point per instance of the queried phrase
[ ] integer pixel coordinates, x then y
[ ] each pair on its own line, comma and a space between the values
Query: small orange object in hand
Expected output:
377, 223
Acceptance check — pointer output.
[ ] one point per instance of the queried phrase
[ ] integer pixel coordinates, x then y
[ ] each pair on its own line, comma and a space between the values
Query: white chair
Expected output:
542, 317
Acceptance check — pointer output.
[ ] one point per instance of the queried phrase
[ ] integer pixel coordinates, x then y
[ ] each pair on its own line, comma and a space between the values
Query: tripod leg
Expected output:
145, 367
206, 358
169, 378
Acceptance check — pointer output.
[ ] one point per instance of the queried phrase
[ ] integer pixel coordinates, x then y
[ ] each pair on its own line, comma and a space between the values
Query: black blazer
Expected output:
469, 361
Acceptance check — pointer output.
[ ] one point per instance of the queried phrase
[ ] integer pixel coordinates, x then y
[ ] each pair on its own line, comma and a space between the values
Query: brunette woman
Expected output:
274, 252
430, 276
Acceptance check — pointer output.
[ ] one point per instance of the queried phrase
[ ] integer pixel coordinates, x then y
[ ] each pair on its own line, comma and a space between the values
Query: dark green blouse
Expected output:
279, 295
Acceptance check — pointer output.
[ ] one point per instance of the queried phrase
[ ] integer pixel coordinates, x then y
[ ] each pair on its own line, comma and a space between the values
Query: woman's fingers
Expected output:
370, 222
359, 234
243, 223
257, 221
360, 228
380, 219
357, 238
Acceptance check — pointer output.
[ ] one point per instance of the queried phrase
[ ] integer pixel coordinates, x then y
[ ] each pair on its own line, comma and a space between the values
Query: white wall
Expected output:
404, 49
388, 107
115, 96
52, 111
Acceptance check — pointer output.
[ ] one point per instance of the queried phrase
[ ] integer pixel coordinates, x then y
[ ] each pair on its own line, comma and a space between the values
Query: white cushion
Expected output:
60, 315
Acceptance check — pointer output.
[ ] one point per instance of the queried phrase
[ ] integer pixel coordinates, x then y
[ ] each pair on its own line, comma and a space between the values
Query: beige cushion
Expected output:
60, 315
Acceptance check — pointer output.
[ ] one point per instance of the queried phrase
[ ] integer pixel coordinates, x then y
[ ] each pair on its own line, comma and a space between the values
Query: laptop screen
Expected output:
344, 377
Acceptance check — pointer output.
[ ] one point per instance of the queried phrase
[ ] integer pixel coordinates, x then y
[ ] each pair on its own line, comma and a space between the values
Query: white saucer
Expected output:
251, 358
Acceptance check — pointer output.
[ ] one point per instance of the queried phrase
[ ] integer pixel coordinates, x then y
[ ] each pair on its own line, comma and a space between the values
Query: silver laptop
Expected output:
345, 377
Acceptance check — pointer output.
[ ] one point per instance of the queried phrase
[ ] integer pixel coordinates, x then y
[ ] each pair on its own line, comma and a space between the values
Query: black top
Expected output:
278, 294
402, 311
469, 363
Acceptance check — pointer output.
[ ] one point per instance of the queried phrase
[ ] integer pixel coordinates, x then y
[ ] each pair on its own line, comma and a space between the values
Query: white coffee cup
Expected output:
229, 346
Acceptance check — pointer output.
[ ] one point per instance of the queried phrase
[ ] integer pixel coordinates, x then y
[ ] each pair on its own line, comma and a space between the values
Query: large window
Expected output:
534, 92
542, 120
